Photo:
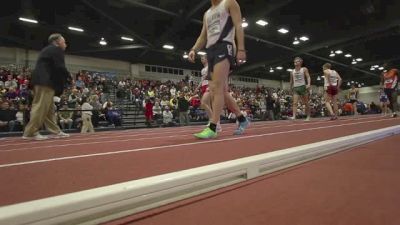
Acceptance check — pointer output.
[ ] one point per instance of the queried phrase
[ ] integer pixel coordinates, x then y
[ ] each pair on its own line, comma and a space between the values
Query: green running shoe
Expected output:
207, 133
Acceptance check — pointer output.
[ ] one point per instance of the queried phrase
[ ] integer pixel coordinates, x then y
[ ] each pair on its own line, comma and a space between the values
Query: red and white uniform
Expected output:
390, 79
204, 80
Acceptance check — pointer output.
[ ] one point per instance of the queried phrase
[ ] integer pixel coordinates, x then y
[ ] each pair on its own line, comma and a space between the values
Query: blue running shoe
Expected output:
242, 126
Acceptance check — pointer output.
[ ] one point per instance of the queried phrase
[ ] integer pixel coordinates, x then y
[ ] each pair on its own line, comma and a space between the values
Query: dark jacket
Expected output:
183, 104
50, 69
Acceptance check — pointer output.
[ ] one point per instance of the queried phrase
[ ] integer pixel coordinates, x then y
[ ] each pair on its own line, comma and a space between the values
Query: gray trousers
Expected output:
184, 118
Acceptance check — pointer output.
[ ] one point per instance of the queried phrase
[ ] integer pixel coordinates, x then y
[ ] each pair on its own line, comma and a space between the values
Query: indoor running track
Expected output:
32, 170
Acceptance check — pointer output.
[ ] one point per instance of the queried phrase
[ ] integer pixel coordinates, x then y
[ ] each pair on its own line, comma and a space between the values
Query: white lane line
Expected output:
175, 145
155, 131
158, 136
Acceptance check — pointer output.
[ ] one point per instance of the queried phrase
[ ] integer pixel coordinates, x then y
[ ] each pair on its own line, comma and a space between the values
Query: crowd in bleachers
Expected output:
160, 102
167, 103
16, 97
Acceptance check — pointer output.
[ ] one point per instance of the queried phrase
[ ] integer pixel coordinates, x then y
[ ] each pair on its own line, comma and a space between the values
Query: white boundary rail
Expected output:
115, 201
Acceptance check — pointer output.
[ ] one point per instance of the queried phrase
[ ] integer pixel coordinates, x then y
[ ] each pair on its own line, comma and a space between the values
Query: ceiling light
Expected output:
332, 54
126, 38
348, 83
372, 68
28, 20
381, 68
201, 53
244, 23
103, 41
169, 47
283, 31
271, 70
384, 71
359, 59
296, 41
352, 82
359, 85
376, 66
279, 67
318, 78
289, 70
262, 23
185, 55
338, 52
354, 62
76, 29
347, 55
304, 38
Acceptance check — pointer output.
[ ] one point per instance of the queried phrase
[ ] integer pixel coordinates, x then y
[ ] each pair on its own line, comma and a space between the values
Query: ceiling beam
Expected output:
197, 8
308, 54
130, 31
371, 63
123, 47
305, 51
179, 23
16, 40
147, 6
275, 5
345, 37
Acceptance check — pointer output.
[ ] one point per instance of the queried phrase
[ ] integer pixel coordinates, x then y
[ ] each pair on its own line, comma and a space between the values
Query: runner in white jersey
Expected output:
300, 83
221, 24
205, 92
332, 83
384, 100
353, 98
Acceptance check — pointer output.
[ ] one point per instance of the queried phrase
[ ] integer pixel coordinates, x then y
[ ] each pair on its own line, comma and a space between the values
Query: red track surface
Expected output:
356, 187
32, 170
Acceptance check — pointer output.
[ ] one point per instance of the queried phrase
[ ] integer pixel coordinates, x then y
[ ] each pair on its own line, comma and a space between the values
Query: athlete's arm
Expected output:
328, 76
291, 80
201, 41
339, 80
307, 77
234, 10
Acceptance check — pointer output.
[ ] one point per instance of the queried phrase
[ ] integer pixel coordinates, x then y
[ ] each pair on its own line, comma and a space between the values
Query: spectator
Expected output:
168, 118
86, 116
183, 109
7, 117
65, 117
148, 112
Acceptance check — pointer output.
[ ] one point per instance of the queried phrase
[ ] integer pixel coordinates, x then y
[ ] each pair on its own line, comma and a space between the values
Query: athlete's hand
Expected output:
241, 57
192, 56
308, 86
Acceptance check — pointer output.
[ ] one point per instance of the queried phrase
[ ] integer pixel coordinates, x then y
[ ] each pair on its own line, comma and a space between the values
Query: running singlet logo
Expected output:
214, 27
230, 50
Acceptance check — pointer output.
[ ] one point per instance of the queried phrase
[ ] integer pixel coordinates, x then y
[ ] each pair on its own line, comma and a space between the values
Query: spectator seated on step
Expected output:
7, 117
113, 115
168, 118
65, 117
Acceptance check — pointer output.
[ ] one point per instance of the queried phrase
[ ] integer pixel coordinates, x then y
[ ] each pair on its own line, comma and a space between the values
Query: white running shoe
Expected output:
37, 137
61, 135
219, 128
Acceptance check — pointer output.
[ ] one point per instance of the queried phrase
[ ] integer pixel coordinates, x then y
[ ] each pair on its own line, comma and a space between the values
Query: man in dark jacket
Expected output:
48, 80
183, 108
